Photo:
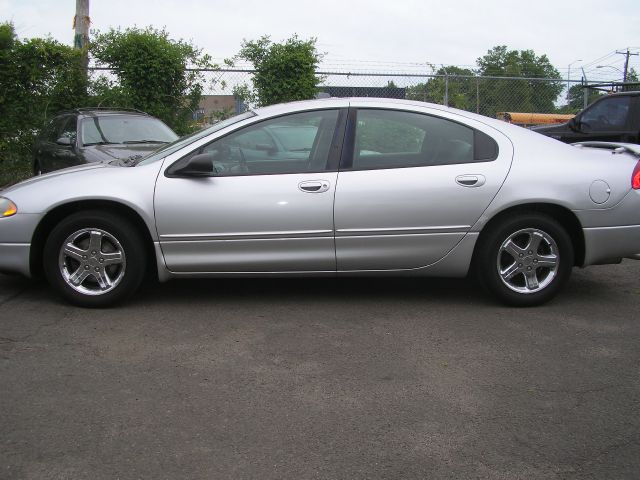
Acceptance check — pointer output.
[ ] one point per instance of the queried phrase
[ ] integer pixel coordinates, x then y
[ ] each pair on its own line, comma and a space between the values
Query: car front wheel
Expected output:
94, 259
525, 260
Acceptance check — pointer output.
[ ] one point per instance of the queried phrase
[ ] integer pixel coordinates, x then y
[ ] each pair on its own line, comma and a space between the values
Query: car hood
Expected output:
56, 173
106, 153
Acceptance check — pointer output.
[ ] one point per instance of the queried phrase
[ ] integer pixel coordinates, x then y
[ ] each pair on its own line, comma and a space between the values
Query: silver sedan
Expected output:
351, 187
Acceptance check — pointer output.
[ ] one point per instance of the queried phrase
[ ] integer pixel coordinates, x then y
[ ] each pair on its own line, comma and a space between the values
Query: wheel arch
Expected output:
51, 219
562, 214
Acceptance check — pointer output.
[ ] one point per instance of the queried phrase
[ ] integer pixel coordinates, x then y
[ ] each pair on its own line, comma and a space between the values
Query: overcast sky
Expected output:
372, 34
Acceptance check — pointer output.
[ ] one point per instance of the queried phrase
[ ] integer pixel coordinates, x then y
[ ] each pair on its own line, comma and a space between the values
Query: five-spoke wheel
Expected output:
524, 260
94, 258
92, 261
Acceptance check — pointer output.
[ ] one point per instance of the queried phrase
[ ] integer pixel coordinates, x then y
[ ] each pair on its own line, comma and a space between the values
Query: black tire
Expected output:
121, 245
520, 290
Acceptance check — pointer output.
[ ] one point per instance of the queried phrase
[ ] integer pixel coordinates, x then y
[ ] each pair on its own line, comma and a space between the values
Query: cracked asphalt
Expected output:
323, 378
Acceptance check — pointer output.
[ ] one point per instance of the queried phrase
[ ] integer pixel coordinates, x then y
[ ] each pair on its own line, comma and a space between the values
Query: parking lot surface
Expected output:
323, 378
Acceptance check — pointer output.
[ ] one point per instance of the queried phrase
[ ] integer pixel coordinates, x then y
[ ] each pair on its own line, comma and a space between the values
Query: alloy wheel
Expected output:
528, 260
92, 261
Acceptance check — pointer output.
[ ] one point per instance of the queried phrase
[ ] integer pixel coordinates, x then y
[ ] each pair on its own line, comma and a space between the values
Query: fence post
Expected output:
446, 89
585, 93
477, 94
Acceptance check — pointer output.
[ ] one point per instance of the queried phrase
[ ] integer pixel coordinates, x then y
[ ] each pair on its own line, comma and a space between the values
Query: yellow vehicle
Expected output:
528, 119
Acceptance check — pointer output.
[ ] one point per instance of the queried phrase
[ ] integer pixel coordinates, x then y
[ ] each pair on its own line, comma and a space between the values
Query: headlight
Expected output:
7, 208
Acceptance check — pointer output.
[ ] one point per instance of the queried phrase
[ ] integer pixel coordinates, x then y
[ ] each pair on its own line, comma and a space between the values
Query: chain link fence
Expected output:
480, 94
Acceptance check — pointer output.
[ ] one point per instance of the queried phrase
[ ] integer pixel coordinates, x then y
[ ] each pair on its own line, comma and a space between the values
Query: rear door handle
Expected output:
314, 186
470, 180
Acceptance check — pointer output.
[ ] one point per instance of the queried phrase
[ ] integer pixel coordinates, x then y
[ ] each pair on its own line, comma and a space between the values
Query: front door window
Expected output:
609, 114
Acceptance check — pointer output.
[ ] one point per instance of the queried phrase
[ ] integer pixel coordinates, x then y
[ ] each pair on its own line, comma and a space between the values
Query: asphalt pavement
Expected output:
322, 379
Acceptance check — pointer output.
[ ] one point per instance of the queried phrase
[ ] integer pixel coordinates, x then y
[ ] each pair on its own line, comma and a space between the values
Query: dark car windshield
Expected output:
189, 139
125, 129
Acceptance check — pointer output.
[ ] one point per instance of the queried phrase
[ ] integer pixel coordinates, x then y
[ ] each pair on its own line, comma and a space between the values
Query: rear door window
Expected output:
399, 139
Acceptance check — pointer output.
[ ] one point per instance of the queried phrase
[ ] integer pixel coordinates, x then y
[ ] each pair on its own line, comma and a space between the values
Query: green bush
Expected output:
285, 72
39, 78
151, 73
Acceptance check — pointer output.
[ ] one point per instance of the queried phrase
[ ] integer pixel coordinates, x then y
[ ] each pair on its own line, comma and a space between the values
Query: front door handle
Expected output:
314, 186
470, 180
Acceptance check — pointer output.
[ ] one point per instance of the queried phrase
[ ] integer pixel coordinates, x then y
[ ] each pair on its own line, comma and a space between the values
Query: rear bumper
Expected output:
607, 243
14, 258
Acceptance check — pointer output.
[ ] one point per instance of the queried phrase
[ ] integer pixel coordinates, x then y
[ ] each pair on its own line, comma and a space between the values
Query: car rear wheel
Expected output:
525, 260
94, 259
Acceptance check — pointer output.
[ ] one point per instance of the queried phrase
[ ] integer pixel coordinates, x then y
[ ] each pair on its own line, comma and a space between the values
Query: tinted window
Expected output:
69, 130
608, 114
295, 143
125, 129
54, 128
194, 137
394, 139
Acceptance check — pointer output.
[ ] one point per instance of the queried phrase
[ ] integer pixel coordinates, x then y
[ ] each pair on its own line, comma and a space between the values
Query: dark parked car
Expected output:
614, 118
97, 135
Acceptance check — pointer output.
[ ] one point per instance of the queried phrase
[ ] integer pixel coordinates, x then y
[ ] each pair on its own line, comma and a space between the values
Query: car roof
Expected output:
102, 111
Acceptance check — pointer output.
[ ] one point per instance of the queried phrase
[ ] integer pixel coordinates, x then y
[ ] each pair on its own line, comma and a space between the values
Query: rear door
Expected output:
411, 185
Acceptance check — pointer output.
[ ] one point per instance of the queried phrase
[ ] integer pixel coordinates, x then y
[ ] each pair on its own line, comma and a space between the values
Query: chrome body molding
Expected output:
195, 237
402, 230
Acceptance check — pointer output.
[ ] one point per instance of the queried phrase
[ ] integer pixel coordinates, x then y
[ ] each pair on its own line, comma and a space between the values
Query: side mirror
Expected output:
200, 165
574, 124
65, 141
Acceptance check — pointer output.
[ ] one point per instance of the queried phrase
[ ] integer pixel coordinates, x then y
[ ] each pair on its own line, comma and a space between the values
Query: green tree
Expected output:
39, 77
576, 99
530, 95
461, 88
284, 71
152, 74
632, 77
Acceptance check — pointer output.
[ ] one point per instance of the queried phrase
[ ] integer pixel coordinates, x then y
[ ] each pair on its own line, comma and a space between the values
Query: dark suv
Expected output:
97, 135
614, 118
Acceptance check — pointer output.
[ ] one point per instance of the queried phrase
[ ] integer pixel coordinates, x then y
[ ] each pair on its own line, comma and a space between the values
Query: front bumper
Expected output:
14, 258
16, 233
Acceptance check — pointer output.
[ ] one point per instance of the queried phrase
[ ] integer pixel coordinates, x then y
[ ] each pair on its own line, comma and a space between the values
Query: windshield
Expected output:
194, 137
114, 129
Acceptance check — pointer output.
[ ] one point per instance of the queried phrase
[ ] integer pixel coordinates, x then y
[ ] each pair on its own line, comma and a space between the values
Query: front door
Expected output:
412, 185
607, 120
268, 206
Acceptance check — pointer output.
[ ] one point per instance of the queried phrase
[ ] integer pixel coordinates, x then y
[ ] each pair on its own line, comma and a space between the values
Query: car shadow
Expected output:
316, 289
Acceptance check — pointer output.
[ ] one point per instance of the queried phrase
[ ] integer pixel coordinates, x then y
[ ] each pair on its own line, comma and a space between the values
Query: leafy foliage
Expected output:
576, 99
284, 71
517, 95
461, 89
39, 78
152, 74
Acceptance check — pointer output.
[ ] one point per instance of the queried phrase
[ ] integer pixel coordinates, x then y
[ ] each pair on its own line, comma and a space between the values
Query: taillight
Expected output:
635, 177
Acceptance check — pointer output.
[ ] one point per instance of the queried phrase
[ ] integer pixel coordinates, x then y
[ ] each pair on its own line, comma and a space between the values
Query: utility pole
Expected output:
626, 63
81, 24
585, 90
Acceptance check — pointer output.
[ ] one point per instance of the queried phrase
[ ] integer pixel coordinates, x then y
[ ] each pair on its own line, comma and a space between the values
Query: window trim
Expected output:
333, 160
348, 150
